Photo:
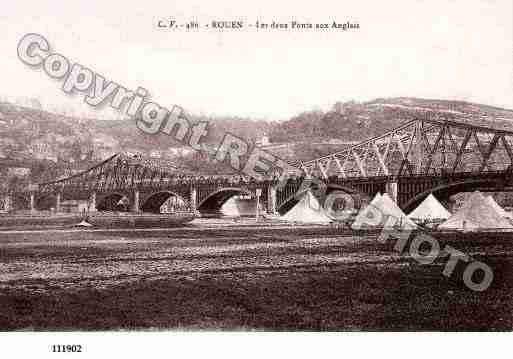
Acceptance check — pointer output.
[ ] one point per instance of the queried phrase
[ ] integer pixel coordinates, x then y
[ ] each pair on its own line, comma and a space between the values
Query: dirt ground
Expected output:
212, 275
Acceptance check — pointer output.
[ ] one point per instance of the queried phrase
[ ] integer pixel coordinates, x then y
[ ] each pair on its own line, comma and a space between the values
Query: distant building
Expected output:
61, 139
42, 150
173, 152
101, 154
156, 154
102, 140
132, 152
208, 152
18, 171
6, 146
104, 146
263, 141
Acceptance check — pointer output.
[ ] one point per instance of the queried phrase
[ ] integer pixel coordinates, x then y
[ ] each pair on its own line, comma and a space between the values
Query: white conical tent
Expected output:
476, 214
307, 210
230, 207
376, 198
382, 212
430, 209
391, 209
83, 224
369, 216
497, 207
239, 207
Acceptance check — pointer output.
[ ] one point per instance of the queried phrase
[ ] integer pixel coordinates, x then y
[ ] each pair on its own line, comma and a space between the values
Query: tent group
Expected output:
382, 211
478, 213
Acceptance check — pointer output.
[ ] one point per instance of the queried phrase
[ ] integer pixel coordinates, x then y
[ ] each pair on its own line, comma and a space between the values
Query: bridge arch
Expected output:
45, 202
358, 196
445, 191
154, 201
215, 200
111, 202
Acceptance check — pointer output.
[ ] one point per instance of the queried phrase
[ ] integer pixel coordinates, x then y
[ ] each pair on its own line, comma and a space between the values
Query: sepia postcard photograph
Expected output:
255, 178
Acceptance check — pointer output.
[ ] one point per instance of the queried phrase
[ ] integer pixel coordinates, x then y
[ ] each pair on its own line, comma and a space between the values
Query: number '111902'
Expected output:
68, 348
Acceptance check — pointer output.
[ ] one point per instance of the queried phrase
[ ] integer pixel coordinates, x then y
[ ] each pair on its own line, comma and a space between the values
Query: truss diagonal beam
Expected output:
463, 145
491, 148
433, 151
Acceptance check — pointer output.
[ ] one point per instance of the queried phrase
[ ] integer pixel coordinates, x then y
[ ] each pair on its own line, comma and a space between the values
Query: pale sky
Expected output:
460, 50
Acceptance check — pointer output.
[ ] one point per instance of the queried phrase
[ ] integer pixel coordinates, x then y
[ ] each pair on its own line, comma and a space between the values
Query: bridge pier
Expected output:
258, 194
392, 190
92, 202
32, 202
194, 198
58, 203
135, 206
272, 195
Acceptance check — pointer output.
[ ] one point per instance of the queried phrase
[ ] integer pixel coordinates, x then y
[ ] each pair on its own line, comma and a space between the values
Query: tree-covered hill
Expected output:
75, 143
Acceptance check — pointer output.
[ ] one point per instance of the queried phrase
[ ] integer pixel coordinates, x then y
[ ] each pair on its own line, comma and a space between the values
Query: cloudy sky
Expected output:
432, 49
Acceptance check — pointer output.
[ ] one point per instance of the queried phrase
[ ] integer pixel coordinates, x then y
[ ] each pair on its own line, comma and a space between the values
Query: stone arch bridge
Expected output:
409, 162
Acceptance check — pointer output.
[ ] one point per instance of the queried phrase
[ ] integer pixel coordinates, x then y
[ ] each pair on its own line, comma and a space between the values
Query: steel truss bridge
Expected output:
409, 162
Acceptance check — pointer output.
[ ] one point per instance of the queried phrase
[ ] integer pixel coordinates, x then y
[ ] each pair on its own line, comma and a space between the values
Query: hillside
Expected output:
353, 121
72, 143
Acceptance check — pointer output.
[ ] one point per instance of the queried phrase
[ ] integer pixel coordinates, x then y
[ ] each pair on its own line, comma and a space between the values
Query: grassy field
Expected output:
243, 278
